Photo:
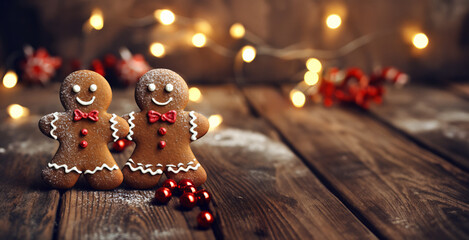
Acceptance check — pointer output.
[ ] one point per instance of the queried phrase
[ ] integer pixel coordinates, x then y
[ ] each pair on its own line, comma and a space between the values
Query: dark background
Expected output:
58, 26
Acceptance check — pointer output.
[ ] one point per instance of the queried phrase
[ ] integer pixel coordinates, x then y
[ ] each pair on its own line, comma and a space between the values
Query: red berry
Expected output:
119, 145
83, 144
162, 144
188, 200
84, 132
170, 183
189, 189
183, 183
163, 195
203, 197
205, 219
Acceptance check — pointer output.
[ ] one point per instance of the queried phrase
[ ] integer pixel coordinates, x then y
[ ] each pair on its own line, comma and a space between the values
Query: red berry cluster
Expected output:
353, 86
190, 197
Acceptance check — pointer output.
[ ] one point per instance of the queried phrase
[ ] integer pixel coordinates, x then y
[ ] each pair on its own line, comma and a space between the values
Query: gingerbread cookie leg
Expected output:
60, 176
191, 170
142, 176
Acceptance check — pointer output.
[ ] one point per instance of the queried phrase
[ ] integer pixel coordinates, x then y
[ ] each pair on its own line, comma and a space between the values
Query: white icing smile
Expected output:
86, 103
162, 103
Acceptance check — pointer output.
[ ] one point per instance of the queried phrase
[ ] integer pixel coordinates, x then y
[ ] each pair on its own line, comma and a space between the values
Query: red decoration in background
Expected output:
205, 219
189, 189
184, 183
354, 86
39, 66
131, 67
163, 195
188, 200
203, 197
170, 183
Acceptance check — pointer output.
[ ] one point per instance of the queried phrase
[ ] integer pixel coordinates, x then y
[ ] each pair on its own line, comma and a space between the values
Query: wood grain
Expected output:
435, 118
260, 188
401, 190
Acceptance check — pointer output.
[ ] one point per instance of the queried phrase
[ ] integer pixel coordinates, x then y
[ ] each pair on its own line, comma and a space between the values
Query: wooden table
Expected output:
398, 171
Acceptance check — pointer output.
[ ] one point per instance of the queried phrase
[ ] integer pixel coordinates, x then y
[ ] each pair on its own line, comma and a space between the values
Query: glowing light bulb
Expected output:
420, 40
297, 98
157, 49
165, 16
10, 79
333, 21
237, 30
215, 121
311, 78
248, 53
199, 40
96, 19
314, 65
16, 111
195, 95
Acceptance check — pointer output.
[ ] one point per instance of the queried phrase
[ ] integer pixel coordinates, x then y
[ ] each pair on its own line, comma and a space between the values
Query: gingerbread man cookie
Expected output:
83, 131
162, 131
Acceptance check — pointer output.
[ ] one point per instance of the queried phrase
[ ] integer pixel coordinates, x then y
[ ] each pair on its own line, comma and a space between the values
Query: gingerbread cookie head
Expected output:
161, 90
85, 90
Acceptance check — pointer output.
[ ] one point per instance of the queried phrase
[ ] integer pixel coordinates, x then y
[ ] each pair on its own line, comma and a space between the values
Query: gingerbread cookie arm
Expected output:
49, 126
130, 118
198, 125
119, 127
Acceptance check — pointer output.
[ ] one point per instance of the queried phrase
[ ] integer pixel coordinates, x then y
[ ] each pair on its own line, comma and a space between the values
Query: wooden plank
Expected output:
124, 213
28, 207
400, 189
435, 118
259, 187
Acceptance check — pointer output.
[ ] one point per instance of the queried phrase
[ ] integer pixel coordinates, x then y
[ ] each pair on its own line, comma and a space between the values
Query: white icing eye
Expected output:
93, 87
151, 87
169, 87
76, 88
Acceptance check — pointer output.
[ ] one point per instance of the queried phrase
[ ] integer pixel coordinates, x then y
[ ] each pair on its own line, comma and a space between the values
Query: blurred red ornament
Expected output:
170, 183
189, 189
205, 219
183, 183
121, 144
131, 67
188, 200
203, 197
163, 195
39, 66
97, 66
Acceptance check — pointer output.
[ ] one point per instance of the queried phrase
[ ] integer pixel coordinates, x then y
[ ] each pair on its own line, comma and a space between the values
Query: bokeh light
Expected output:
248, 53
17, 111
297, 98
199, 40
10, 79
311, 78
165, 16
157, 49
237, 30
333, 21
314, 65
195, 95
215, 121
96, 19
420, 40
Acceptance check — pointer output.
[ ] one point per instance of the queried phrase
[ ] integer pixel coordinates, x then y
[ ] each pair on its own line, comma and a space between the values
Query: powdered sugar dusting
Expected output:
116, 232
248, 141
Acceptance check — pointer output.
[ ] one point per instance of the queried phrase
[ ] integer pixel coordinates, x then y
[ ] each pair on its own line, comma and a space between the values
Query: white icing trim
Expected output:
170, 168
132, 125
113, 127
56, 117
85, 103
194, 125
159, 165
115, 167
153, 173
54, 165
162, 103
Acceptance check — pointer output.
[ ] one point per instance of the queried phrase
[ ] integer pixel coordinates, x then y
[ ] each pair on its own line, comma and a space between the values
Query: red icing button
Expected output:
83, 144
84, 132
162, 131
162, 144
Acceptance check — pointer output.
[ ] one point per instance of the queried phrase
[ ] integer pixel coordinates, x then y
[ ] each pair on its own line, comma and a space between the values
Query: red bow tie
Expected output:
93, 115
154, 116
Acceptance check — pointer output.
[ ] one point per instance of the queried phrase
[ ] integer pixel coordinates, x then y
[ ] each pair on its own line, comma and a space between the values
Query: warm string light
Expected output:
157, 49
420, 40
314, 65
311, 78
96, 20
298, 98
199, 40
333, 21
17, 111
195, 95
215, 121
237, 30
10, 79
248, 53
165, 16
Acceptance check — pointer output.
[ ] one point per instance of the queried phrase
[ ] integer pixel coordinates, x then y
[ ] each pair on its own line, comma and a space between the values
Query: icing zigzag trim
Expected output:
56, 117
113, 127
140, 168
65, 167
132, 125
115, 167
189, 167
194, 125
